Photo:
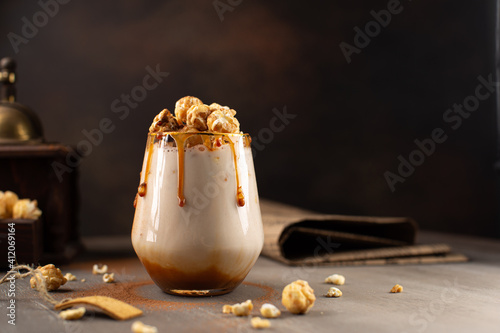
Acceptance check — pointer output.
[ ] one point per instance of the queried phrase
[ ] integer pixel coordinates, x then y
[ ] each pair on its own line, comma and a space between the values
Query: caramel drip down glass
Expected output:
197, 226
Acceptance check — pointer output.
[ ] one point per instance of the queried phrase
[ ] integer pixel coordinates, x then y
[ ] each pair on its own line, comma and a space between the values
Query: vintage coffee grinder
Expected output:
27, 168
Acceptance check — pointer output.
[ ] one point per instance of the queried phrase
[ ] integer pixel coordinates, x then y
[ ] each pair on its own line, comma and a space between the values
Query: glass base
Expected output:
198, 293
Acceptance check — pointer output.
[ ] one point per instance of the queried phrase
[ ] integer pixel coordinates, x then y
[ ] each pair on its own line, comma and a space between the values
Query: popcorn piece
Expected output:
69, 277
223, 121
140, 327
397, 289
97, 270
52, 275
72, 314
227, 308
7, 201
243, 309
335, 279
214, 107
183, 105
108, 278
333, 292
26, 209
298, 297
269, 311
83, 280
258, 322
164, 122
197, 117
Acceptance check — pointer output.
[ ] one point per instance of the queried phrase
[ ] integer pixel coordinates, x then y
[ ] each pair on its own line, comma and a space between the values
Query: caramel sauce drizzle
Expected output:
149, 151
180, 141
142, 189
240, 198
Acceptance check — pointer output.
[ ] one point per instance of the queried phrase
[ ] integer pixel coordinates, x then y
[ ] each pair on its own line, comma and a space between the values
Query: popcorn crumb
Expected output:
140, 327
268, 310
227, 308
83, 280
52, 275
335, 279
333, 292
108, 278
70, 277
96, 270
258, 322
72, 314
298, 297
243, 309
397, 289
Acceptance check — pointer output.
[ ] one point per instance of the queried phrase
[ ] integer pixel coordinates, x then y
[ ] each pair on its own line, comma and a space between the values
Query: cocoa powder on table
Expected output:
128, 292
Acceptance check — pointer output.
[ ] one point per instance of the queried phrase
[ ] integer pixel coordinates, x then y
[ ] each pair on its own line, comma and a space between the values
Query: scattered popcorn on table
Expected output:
96, 270
269, 311
258, 322
108, 278
333, 292
140, 327
243, 309
335, 279
298, 297
69, 277
397, 289
72, 314
53, 278
227, 308
83, 280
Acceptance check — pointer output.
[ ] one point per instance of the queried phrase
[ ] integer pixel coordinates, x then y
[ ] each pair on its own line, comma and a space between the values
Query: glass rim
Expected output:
171, 133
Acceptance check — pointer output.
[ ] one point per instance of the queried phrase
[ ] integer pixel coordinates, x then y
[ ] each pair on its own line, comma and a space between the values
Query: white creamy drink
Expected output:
197, 226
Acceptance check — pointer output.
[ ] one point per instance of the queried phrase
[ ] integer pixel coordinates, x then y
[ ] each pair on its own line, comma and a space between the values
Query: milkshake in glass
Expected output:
197, 226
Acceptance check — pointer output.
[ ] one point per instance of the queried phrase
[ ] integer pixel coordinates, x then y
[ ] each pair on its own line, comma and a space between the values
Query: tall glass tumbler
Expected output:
197, 226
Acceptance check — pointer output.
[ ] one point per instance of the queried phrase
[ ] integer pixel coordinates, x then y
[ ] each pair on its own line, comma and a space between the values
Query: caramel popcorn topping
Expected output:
193, 117
223, 121
197, 117
164, 122
183, 105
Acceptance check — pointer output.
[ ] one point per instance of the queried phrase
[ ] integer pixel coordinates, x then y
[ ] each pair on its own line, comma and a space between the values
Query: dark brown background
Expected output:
352, 120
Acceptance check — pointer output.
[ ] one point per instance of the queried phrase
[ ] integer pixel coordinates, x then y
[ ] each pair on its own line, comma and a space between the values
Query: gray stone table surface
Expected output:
457, 297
